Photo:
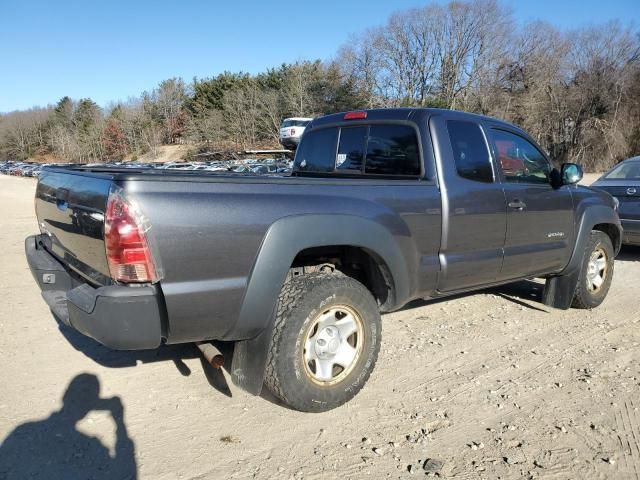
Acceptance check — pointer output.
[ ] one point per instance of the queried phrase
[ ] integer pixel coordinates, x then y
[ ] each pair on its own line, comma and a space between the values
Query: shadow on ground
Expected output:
629, 253
53, 449
166, 353
521, 293
525, 293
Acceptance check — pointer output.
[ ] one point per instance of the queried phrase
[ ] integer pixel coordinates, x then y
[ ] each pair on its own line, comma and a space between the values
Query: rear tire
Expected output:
596, 272
325, 342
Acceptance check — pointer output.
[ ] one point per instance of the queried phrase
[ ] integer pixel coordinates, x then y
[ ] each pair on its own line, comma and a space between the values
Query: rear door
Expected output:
474, 208
540, 218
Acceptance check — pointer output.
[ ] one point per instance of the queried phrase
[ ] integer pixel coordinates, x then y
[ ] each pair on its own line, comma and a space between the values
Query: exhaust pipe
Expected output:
211, 354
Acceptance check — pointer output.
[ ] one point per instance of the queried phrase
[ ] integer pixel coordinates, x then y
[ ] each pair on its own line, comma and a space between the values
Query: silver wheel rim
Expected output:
597, 270
333, 344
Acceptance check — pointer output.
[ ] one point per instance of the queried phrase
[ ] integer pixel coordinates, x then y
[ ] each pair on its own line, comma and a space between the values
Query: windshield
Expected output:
295, 123
625, 171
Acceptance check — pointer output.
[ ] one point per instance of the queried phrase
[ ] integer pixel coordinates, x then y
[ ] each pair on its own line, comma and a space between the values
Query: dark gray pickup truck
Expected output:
383, 207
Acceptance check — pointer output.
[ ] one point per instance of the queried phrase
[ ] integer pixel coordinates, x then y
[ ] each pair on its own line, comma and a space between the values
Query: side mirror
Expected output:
571, 173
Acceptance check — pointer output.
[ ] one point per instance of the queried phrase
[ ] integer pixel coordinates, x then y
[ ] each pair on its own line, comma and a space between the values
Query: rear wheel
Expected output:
325, 343
596, 272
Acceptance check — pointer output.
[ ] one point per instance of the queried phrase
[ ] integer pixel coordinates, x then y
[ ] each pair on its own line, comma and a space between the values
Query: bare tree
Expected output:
206, 127
169, 100
63, 143
359, 60
241, 112
297, 93
431, 55
604, 59
23, 133
151, 136
269, 103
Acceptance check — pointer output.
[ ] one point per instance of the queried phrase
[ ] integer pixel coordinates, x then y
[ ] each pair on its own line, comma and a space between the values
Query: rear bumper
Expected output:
119, 317
630, 232
289, 142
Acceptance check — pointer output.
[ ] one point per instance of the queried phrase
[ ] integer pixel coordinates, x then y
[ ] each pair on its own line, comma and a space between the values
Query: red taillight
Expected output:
293, 131
125, 239
355, 115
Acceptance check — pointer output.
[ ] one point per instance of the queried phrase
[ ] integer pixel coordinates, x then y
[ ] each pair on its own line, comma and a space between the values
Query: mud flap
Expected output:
559, 291
250, 361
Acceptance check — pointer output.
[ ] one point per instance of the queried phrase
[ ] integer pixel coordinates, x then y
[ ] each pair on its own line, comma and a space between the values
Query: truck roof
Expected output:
407, 113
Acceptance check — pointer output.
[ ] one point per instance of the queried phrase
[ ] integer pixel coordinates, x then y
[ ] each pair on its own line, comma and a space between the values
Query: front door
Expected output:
540, 225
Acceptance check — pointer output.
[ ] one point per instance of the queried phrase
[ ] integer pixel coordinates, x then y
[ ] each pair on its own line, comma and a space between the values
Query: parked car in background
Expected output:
250, 166
178, 166
218, 167
262, 168
291, 131
18, 169
623, 182
197, 167
27, 170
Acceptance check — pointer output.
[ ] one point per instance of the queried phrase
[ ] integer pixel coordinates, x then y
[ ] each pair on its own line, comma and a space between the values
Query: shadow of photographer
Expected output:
54, 449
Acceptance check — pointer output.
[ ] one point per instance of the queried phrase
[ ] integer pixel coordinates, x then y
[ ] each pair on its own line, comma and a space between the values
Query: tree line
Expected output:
577, 92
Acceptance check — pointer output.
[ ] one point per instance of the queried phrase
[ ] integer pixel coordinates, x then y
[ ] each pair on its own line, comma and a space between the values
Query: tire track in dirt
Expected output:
510, 350
537, 374
628, 435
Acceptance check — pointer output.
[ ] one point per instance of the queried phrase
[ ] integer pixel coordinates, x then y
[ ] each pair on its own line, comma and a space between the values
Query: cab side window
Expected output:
519, 159
470, 151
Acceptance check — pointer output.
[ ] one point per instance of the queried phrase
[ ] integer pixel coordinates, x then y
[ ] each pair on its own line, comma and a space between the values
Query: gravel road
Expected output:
489, 385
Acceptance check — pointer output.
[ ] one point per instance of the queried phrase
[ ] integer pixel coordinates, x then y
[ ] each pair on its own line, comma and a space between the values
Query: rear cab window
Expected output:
390, 150
351, 149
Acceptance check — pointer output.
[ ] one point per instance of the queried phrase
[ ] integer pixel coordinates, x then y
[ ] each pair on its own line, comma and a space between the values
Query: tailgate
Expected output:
70, 208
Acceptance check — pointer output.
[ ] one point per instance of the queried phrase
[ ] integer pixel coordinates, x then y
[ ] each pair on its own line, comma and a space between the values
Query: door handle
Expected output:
517, 205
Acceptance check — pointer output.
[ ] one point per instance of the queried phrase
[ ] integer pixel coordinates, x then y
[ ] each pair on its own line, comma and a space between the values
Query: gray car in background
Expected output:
623, 183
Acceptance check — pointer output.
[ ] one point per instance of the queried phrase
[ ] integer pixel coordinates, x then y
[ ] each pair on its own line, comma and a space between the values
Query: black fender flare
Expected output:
282, 242
560, 289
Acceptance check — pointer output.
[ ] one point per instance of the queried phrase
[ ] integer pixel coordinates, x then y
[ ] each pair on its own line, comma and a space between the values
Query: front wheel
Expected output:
596, 271
325, 342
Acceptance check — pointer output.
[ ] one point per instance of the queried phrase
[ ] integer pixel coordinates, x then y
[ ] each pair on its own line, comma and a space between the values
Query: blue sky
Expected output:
111, 50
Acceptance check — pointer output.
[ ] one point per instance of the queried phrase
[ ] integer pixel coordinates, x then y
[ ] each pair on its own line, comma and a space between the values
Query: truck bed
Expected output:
207, 230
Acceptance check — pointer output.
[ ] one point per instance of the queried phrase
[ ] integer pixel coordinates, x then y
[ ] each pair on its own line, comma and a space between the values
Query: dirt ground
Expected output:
489, 385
